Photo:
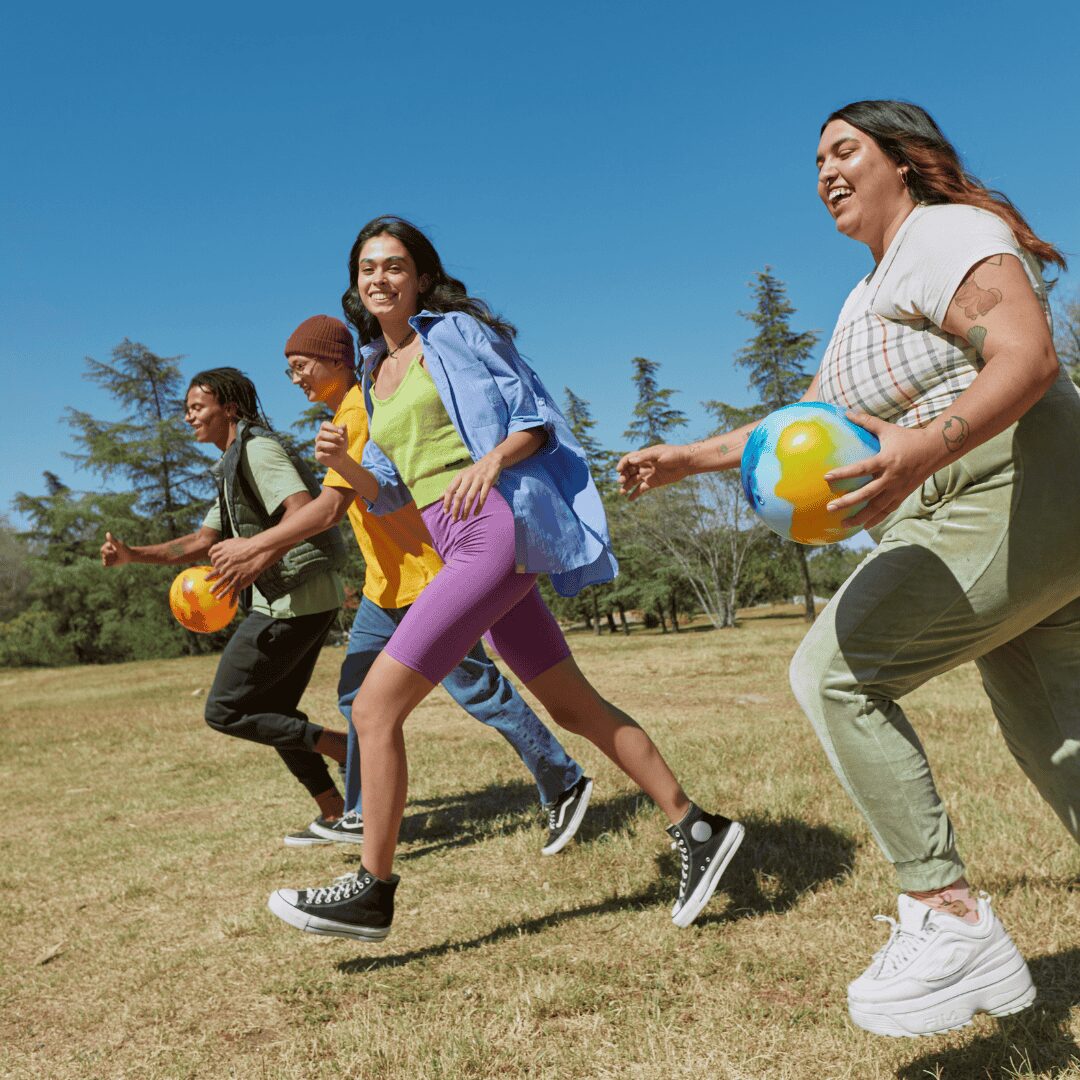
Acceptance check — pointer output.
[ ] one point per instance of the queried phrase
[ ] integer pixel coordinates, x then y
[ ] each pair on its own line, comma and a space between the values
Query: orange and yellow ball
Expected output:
195, 606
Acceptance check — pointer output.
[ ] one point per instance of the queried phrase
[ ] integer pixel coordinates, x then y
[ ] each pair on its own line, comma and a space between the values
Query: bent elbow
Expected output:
1049, 367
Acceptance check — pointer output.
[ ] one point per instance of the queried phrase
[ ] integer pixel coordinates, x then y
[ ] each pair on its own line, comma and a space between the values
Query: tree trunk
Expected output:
622, 619
660, 613
674, 614
610, 620
596, 614
808, 585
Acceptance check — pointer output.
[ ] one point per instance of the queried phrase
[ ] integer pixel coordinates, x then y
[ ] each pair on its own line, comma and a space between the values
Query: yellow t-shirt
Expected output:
396, 547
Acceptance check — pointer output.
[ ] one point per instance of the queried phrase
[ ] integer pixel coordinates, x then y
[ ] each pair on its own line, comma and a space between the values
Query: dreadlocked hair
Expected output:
230, 386
908, 134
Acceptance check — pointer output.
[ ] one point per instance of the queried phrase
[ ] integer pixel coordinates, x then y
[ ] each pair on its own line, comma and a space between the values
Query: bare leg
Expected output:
389, 692
575, 705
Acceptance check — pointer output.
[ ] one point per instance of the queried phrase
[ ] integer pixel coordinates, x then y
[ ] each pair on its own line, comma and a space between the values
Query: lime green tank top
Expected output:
414, 430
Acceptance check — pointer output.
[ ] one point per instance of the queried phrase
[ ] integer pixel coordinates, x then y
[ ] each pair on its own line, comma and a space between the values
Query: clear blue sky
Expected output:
608, 175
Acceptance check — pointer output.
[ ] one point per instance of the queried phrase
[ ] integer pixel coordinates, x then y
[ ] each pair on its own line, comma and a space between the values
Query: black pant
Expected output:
262, 675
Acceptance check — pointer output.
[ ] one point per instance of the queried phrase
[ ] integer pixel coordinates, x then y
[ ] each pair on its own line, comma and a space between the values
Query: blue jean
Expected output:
476, 684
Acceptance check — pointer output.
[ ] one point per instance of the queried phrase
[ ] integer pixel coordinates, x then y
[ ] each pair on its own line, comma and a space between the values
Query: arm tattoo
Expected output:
177, 548
977, 336
973, 300
955, 432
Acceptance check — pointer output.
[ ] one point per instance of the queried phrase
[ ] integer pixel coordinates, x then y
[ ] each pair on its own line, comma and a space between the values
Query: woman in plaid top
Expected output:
944, 351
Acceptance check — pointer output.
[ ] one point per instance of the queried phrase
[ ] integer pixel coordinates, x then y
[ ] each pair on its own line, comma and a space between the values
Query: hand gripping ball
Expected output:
784, 465
194, 606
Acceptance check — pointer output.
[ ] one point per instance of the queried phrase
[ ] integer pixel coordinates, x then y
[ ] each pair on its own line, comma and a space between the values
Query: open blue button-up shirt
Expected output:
489, 392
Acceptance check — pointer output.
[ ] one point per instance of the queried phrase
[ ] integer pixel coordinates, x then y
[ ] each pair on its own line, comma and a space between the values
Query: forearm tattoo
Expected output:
955, 432
177, 548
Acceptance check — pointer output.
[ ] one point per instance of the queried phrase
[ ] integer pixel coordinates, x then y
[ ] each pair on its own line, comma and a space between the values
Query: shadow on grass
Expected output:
778, 862
457, 821
1036, 1041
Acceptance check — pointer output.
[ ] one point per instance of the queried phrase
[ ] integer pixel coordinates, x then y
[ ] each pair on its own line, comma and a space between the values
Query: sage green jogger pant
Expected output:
981, 563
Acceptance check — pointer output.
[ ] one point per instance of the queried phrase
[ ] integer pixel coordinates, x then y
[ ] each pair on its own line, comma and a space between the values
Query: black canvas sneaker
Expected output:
354, 906
565, 816
706, 844
308, 837
348, 829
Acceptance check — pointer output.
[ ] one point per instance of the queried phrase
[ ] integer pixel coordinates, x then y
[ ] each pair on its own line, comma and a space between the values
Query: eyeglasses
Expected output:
294, 374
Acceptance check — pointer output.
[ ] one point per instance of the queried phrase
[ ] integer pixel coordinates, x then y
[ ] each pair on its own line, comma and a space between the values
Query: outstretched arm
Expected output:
655, 466
996, 310
178, 552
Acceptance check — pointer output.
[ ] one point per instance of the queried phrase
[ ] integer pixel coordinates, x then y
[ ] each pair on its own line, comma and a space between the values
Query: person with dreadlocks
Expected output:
291, 607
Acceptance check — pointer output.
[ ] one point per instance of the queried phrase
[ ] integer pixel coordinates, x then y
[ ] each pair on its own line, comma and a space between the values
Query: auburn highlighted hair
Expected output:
935, 173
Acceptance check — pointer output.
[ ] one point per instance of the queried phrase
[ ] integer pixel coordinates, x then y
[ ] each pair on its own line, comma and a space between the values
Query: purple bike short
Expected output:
478, 589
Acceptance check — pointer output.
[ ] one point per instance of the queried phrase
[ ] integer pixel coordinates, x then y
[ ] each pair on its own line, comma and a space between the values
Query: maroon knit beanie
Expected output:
322, 337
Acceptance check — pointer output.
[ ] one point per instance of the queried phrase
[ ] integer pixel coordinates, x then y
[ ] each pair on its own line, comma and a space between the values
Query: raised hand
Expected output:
115, 552
331, 444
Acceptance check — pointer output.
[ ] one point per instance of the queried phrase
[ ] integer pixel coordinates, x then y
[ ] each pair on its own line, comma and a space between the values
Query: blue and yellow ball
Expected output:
784, 464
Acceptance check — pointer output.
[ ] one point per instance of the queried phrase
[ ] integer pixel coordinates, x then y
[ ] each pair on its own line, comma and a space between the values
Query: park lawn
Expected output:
139, 849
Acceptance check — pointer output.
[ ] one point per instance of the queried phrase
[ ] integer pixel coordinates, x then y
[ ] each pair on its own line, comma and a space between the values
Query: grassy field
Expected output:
139, 849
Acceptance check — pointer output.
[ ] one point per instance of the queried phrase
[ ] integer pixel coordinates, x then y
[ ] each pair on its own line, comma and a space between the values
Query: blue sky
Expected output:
607, 175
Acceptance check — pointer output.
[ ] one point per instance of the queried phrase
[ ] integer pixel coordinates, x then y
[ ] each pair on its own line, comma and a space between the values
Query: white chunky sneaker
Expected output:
936, 971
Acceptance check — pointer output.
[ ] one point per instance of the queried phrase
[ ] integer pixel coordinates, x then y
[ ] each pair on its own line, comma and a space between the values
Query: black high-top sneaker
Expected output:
705, 843
355, 906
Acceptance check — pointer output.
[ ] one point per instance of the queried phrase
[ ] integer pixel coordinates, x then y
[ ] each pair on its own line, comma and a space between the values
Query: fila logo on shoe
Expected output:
950, 964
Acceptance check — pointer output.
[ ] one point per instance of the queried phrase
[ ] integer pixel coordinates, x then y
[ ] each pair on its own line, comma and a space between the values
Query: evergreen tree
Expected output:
654, 417
776, 355
151, 448
775, 358
74, 612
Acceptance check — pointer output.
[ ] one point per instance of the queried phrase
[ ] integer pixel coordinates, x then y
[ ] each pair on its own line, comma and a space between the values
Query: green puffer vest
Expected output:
240, 504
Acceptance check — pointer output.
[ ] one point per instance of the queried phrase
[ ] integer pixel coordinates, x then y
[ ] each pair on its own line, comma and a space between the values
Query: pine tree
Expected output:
776, 355
151, 448
654, 418
775, 358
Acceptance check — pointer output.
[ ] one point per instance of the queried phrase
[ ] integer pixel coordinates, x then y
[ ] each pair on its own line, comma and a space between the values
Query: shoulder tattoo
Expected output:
973, 300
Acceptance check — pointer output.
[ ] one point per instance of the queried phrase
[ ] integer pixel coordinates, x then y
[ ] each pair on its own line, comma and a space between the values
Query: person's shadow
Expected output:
788, 855
1034, 1042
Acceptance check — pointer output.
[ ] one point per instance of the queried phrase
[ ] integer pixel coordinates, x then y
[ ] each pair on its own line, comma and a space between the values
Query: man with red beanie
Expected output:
400, 562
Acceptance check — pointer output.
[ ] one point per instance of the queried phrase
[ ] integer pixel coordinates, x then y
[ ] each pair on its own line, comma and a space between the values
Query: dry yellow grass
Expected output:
139, 849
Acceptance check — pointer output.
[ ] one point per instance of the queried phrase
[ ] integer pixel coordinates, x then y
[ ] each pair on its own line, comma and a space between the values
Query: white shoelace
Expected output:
341, 889
683, 848
899, 949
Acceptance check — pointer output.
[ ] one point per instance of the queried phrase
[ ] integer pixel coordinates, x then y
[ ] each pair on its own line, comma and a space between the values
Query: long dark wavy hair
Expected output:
443, 292
232, 387
935, 173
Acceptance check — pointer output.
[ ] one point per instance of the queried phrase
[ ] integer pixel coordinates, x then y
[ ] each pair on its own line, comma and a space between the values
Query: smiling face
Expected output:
387, 279
210, 421
861, 186
320, 380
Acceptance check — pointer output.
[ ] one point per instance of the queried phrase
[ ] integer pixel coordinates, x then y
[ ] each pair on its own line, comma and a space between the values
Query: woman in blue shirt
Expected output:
460, 422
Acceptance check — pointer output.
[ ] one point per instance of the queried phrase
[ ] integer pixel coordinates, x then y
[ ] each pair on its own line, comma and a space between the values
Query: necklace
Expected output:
401, 345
